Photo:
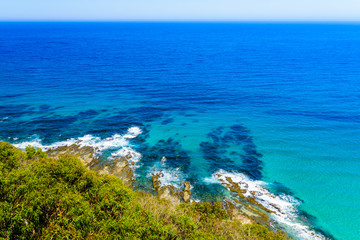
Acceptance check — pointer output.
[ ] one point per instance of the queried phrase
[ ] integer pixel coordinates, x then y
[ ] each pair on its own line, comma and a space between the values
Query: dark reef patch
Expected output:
44, 108
12, 96
279, 188
207, 192
232, 149
167, 121
47, 109
123, 120
176, 157
145, 114
15, 111
41, 121
311, 221
49, 127
20, 110
87, 114
113, 124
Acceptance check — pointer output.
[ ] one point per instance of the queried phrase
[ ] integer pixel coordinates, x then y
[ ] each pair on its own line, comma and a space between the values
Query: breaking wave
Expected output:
168, 175
283, 206
119, 145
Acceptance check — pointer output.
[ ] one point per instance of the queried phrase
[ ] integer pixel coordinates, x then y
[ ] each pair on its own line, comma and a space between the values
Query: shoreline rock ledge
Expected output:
170, 192
119, 167
247, 210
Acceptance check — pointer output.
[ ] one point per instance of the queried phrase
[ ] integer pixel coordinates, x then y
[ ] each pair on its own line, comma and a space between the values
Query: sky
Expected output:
180, 10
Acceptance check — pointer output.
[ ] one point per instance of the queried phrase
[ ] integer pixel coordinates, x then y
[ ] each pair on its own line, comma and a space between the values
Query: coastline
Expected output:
76, 202
249, 202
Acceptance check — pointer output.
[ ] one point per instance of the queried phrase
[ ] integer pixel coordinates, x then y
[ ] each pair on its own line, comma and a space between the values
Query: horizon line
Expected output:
319, 21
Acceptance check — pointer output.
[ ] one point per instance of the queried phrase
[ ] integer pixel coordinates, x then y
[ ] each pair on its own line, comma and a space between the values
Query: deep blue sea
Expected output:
276, 105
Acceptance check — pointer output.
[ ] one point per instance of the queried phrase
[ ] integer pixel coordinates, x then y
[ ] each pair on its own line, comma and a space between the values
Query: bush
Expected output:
10, 157
210, 210
48, 198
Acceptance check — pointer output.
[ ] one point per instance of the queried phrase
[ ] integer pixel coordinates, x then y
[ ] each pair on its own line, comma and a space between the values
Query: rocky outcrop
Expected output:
118, 167
169, 192
245, 208
186, 193
85, 153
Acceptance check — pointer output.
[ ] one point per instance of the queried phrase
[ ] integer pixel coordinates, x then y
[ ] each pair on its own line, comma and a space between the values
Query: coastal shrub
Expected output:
210, 210
58, 198
10, 157
31, 152
259, 232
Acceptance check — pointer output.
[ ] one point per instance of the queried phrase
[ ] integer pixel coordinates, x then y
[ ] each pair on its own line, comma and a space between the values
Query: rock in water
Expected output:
186, 193
170, 192
163, 160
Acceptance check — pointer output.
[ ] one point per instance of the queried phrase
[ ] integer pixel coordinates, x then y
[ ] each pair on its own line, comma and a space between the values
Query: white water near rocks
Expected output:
120, 144
283, 206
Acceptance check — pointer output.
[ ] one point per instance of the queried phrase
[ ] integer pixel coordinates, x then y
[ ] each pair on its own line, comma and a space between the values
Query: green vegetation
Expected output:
47, 198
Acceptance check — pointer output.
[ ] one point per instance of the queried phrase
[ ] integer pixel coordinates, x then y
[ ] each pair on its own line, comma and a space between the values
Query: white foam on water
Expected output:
126, 152
133, 132
3, 119
169, 176
117, 142
283, 206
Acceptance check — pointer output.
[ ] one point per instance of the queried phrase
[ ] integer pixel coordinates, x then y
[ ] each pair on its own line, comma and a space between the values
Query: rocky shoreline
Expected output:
246, 210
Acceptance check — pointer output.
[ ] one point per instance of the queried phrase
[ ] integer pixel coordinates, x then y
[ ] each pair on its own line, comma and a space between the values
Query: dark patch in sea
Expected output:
15, 111
279, 188
207, 192
231, 150
167, 121
49, 127
123, 120
310, 220
176, 157
45, 108
87, 114
12, 96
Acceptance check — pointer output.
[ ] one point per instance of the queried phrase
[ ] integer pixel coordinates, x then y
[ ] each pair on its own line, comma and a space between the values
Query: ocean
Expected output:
275, 105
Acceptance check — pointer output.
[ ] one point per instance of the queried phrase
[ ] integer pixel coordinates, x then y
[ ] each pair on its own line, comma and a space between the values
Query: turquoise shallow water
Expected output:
276, 102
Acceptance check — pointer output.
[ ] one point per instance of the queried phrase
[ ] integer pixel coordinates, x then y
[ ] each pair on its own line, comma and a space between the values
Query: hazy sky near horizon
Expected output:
188, 10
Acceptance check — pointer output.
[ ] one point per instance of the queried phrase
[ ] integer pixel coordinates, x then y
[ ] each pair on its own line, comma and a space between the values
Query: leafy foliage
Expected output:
48, 198
210, 210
